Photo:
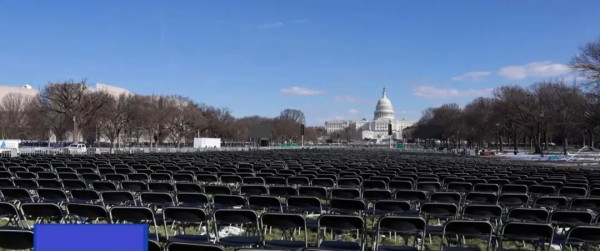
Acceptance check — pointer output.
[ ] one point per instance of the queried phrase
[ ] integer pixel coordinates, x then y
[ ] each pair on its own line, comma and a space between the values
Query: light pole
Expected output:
498, 136
540, 137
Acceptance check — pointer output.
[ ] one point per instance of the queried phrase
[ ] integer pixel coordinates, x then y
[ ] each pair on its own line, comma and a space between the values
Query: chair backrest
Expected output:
267, 203
185, 215
118, 198
537, 233
341, 223
10, 211
304, 204
44, 212
186, 246
551, 202
16, 239
285, 222
345, 193
401, 224
513, 199
446, 197
585, 234
133, 214
89, 212
313, 191
528, 215
586, 203
571, 218
439, 210
347, 206
243, 218
481, 198
221, 201
411, 195
157, 199
482, 212
405, 226
283, 191
469, 229
253, 190
390, 207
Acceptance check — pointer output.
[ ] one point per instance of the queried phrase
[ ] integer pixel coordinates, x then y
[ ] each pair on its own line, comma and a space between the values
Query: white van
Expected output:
77, 149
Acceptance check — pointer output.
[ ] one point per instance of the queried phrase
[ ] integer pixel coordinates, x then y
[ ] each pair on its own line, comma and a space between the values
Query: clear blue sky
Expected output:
328, 58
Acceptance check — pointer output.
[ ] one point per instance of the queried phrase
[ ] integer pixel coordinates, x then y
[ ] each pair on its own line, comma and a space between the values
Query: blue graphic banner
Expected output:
90, 237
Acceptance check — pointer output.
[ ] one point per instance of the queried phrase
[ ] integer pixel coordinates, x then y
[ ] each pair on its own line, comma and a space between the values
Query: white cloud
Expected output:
295, 90
404, 112
300, 21
353, 111
345, 99
473, 76
535, 69
270, 26
431, 92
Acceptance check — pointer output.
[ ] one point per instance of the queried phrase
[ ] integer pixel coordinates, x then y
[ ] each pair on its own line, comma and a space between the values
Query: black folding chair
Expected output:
19, 195
293, 228
192, 199
400, 225
183, 246
223, 201
551, 202
341, 225
182, 219
538, 235
347, 206
10, 212
42, 212
491, 213
241, 218
265, 203
136, 215
16, 239
86, 213
156, 200
456, 231
84, 196
537, 215
117, 198
583, 237
52, 195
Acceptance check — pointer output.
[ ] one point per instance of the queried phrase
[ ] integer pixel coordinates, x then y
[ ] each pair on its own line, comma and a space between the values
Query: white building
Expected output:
25, 90
377, 128
112, 90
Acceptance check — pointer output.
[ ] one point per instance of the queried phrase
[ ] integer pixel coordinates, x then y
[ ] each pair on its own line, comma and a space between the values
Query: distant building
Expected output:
112, 90
25, 90
376, 129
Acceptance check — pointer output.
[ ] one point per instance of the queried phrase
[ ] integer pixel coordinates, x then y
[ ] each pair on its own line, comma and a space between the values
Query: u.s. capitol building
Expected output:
377, 129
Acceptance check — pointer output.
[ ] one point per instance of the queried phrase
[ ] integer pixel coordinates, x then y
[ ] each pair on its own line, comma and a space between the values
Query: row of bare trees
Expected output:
545, 111
72, 111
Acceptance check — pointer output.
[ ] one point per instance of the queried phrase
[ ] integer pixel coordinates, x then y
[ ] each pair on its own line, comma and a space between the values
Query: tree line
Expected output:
539, 114
72, 110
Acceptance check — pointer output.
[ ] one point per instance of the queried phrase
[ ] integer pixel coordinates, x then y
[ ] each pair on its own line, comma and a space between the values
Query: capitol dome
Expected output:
384, 108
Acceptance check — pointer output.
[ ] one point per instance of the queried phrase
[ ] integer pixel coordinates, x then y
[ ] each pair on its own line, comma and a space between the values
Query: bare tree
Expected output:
478, 116
115, 116
182, 119
587, 62
564, 105
13, 115
73, 100
293, 115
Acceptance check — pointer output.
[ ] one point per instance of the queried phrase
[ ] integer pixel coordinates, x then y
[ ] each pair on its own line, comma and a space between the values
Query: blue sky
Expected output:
328, 58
